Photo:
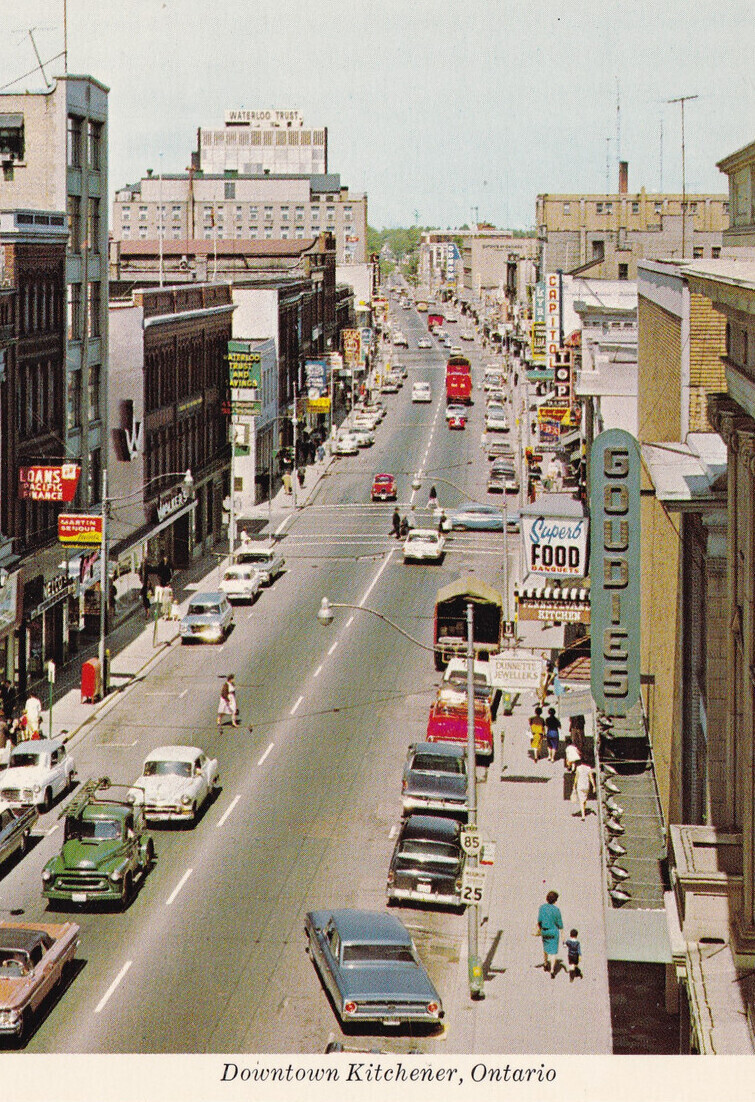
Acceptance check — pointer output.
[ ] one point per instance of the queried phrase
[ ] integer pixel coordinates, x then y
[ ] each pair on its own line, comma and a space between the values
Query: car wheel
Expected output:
23, 849
149, 855
192, 819
47, 802
24, 1031
128, 891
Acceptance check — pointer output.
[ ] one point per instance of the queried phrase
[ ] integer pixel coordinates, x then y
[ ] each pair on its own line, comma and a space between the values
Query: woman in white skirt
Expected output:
227, 703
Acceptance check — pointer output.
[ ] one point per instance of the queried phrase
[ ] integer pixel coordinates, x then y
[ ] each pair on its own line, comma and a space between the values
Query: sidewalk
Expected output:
136, 644
540, 847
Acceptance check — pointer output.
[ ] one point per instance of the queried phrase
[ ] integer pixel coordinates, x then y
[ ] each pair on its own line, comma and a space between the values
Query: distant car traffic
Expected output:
427, 862
458, 421
38, 771
424, 342
370, 967
400, 341
208, 619
389, 385
241, 583
422, 392
472, 515
383, 488
424, 545
435, 779
266, 560
500, 449
176, 782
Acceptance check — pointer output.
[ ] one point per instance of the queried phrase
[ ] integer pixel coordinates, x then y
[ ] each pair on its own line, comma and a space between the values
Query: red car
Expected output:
448, 723
384, 487
457, 421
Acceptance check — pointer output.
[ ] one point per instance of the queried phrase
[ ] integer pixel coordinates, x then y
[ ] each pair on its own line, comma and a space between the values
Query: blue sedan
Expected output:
369, 965
471, 515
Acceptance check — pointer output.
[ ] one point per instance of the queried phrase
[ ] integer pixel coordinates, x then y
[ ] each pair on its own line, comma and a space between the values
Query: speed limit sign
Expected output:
472, 885
471, 842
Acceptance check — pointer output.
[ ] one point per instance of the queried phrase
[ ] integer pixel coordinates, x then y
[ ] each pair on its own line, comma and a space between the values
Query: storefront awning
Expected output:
146, 532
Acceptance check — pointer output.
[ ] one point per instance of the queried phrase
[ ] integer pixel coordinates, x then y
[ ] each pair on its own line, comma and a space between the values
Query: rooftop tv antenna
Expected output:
682, 100
30, 32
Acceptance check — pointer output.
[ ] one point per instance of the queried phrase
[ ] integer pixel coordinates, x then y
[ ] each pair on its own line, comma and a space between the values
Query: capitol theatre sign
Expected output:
615, 571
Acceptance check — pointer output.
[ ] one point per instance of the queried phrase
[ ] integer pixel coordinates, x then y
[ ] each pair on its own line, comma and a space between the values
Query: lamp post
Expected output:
325, 616
188, 487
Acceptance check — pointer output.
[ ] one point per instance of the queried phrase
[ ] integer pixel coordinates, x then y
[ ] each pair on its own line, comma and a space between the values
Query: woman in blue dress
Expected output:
549, 926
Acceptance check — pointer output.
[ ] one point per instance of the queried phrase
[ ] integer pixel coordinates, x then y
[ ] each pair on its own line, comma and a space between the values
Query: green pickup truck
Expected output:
106, 848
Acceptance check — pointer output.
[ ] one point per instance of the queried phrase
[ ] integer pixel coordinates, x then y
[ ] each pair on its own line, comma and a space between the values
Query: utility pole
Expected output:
160, 216
682, 100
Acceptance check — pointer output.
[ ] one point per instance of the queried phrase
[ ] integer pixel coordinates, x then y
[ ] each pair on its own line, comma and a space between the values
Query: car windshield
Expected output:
100, 830
437, 763
14, 965
202, 609
167, 769
424, 850
422, 537
237, 575
357, 955
255, 556
25, 759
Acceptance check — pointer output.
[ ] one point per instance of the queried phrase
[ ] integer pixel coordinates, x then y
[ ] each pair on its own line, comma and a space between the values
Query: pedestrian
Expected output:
144, 591
573, 954
549, 925
432, 501
227, 705
320, 453
287, 484
552, 729
584, 784
411, 517
403, 531
572, 755
396, 522
537, 730
33, 713
8, 697
164, 571
300, 475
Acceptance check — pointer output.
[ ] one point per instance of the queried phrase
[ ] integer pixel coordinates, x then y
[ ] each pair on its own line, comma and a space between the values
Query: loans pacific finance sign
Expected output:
615, 572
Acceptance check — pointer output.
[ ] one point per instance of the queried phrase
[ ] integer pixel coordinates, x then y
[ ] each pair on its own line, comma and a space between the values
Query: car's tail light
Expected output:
391, 877
403, 785
432, 1008
349, 1008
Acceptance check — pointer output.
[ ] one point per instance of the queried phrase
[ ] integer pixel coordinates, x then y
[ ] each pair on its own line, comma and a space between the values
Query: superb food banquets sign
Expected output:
555, 545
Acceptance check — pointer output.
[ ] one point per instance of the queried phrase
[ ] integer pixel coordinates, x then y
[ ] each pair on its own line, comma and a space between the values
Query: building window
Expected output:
331, 211
268, 214
93, 309
609, 208
693, 208
74, 141
94, 392
73, 402
94, 477
715, 252
284, 214
94, 136
74, 224
698, 252
142, 214
635, 208
300, 214
725, 208
229, 190
93, 226
73, 305
268, 234
284, 235
252, 212
598, 208
598, 250
125, 214
658, 208
143, 233
567, 208
300, 233
623, 271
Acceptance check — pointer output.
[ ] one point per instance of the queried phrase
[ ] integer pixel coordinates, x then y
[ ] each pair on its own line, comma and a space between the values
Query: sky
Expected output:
442, 111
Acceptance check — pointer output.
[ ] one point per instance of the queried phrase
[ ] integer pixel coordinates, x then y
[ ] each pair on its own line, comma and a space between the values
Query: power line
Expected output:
30, 73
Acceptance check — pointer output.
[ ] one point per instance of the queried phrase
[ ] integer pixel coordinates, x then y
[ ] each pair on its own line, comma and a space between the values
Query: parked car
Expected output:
208, 619
364, 437
38, 771
467, 335
176, 783
370, 966
383, 488
500, 449
15, 827
424, 545
447, 722
453, 687
389, 385
268, 562
424, 342
427, 862
496, 418
400, 340
345, 443
435, 779
472, 515
496, 480
241, 582
33, 957
400, 369
422, 392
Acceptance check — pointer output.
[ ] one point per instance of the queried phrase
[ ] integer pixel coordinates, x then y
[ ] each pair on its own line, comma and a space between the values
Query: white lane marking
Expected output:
350, 621
100, 1005
282, 525
317, 672
393, 831
333, 647
228, 810
266, 753
178, 887
374, 581
53, 829
298, 702
183, 694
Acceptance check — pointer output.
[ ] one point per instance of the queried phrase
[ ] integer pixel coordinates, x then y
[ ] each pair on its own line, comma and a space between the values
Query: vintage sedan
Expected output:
435, 779
457, 420
345, 443
427, 862
15, 827
370, 967
447, 722
38, 771
33, 956
472, 515
496, 418
422, 392
384, 488
424, 545
424, 342
455, 410
241, 583
176, 782
364, 437
268, 562
208, 619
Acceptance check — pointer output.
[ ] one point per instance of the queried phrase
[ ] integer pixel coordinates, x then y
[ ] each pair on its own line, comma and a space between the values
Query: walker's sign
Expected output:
615, 572
555, 545
48, 482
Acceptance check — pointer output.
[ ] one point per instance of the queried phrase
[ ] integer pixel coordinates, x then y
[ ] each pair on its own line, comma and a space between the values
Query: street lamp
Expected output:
325, 616
188, 489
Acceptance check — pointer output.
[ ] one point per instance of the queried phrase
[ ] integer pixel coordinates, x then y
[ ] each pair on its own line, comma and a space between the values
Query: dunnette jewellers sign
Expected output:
615, 572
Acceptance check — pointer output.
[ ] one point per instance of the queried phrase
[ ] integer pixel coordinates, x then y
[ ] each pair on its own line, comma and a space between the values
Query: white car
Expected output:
241, 582
38, 771
175, 784
424, 342
365, 437
345, 444
467, 335
367, 421
421, 392
424, 545
495, 418
400, 341
453, 411
453, 687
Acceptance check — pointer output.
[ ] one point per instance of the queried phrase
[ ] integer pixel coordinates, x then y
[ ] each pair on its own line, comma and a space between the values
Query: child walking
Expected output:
574, 954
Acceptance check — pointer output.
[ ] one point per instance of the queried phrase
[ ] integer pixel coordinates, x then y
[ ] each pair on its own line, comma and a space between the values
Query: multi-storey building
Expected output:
269, 140
227, 207
604, 236
53, 154
740, 234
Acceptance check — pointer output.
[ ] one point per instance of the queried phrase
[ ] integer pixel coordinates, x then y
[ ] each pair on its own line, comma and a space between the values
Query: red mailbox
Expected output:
91, 681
